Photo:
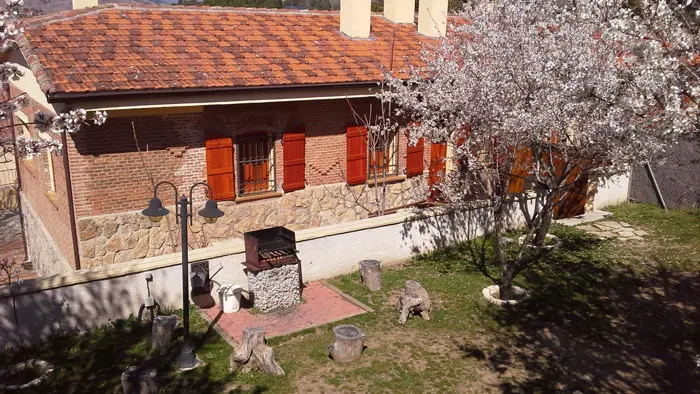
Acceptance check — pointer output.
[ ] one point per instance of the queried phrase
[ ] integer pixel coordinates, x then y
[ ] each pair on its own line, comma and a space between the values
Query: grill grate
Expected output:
270, 248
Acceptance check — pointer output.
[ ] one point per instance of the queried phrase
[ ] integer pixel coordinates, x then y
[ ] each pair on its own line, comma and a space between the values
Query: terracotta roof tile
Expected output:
138, 47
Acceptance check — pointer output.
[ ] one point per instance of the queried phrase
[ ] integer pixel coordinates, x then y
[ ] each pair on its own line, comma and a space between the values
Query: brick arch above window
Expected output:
259, 124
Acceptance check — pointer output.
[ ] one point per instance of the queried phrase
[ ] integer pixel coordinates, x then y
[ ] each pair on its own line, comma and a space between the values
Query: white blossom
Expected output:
68, 122
592, 84
614, 85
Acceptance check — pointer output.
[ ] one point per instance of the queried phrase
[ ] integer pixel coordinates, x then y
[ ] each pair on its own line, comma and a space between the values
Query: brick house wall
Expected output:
108, 171
50, 206
112, 181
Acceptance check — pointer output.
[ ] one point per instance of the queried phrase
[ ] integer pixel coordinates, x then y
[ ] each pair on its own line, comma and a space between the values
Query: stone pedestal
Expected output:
275, 288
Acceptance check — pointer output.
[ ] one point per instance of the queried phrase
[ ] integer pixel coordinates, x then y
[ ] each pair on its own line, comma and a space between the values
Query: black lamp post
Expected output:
210, 213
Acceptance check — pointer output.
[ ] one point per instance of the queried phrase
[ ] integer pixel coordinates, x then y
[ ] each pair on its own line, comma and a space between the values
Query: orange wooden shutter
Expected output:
379, 161
219, 153
522, 165
571, 200
294, 151
438, 154
414, 158
357, 155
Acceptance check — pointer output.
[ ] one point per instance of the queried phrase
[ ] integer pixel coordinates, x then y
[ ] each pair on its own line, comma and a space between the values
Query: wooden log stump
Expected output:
254, 353
371, 274
348, 345
139, 380
162, 331
413, 299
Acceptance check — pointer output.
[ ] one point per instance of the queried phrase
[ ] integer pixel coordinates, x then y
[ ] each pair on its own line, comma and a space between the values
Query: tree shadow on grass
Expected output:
94, 361
593, 327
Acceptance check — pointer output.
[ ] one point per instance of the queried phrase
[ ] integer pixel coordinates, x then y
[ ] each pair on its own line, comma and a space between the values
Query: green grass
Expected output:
675, 235
604, 316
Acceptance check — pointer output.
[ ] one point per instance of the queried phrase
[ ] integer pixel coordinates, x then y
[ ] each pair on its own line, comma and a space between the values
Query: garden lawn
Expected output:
604, 316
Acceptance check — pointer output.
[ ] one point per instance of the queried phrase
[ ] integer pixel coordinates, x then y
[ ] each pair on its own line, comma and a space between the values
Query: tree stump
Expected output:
413, 299
139, 380
348, 345
162, 331
371, 274
254, 353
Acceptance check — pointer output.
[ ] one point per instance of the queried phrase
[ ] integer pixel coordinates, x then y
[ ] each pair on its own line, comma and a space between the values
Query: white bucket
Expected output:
230, 298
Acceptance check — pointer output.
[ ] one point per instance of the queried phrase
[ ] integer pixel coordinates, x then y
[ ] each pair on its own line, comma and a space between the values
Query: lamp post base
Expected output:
188, 359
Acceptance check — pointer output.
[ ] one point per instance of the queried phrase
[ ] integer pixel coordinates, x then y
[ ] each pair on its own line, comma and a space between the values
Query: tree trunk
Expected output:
413, 299
543, 228
498, 231
505, 288
162, 331
254, 353
371, 274
348, 345
137, 380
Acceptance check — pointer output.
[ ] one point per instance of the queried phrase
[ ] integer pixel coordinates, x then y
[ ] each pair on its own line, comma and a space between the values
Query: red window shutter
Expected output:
414, 159
219, 153
438, 166
357, 155
294, 153
522, 164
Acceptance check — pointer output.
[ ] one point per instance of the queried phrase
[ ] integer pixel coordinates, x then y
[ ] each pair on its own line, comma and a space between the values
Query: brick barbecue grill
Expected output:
273, 268
269, 248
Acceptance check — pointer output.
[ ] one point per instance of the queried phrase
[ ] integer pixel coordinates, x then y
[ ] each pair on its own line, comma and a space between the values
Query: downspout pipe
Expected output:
71, 207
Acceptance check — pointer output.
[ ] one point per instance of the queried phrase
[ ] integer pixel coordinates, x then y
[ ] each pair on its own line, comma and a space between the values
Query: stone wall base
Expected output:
122, 237
276, 288
43, 251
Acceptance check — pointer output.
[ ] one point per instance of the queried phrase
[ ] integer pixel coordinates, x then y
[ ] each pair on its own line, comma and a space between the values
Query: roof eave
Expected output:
40, 73
70, 97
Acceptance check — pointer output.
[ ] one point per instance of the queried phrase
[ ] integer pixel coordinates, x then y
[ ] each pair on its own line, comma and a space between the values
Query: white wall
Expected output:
612, 191
92, 303
89, 298
29, 84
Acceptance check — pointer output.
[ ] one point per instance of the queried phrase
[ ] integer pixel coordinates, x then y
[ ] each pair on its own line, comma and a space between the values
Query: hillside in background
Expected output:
46, 6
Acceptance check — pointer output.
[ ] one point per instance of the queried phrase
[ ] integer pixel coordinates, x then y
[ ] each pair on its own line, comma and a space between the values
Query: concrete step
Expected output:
587, 217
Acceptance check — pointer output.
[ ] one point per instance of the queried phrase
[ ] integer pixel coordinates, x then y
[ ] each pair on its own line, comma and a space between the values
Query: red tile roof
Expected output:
137, 47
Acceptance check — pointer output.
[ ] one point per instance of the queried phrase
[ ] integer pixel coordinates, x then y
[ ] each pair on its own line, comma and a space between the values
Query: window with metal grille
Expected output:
383, 158
256, 165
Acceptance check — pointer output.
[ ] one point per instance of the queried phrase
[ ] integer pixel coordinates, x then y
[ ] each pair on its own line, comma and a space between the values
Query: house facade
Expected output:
269, 107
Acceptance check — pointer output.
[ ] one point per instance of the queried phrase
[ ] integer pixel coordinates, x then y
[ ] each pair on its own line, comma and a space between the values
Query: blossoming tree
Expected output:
67, 122
535, 95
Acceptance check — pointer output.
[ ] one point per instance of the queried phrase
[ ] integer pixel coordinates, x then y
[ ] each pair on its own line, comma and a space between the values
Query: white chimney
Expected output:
432, 17
400, 11
79, 4
355, 17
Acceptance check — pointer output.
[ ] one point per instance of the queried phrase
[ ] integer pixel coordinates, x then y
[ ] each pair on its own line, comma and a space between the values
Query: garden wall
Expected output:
92, 297
612, 191
84, 299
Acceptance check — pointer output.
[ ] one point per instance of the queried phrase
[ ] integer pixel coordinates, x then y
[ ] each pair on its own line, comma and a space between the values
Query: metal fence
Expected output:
677, 173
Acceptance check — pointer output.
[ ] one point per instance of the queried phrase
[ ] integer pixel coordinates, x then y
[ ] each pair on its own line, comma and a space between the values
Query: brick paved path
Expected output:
321, 306
611, 229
